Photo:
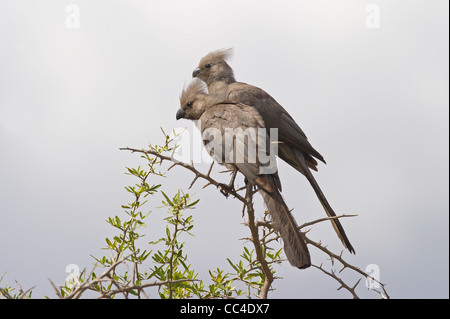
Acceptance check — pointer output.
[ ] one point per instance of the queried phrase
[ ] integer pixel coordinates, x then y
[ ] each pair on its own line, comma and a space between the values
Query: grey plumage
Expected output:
294, 147
224, 117
294, 245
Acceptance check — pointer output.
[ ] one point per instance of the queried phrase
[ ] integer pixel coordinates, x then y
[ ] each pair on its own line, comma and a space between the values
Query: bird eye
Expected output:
189, 104
208, 66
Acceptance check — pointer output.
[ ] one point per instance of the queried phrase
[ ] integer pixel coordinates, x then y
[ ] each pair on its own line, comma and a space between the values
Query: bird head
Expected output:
214, 67
193, 101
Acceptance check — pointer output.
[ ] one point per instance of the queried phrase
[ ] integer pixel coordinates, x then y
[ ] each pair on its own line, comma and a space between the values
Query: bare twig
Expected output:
125, 289
344, 263
23, 294
78, 291
5, 294
268, 275
247, 201
332, 274
197, 173
324, 219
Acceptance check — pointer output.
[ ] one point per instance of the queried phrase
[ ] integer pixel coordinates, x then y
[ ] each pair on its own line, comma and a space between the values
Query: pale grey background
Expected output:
374, 102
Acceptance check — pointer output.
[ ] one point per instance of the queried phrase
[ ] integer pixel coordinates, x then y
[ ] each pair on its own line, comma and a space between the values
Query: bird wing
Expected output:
230, 134
274, 116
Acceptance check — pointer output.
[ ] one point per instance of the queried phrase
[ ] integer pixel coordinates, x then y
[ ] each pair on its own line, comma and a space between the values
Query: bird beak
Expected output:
180, 114
196, 72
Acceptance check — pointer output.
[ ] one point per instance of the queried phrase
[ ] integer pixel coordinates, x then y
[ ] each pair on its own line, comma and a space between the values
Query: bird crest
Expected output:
193, 89
218, 56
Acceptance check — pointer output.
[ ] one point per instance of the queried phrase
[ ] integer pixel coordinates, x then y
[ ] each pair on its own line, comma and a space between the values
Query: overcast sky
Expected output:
373, 100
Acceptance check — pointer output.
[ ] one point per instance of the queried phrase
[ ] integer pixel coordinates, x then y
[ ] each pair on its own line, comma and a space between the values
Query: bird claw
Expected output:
225, 190
250, 187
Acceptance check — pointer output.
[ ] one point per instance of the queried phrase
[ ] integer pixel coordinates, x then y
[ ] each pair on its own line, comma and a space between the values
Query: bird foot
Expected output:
225, 189
250, 187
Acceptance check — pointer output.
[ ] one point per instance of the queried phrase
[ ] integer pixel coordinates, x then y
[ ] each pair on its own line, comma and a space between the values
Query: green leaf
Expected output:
133, 292
168, 233
232, 265
193, 204
167, 198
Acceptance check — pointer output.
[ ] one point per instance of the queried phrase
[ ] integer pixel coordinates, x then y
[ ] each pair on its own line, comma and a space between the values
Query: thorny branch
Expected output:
107, 276
268, 275
190, 167
23, 294
254, 225
260, 244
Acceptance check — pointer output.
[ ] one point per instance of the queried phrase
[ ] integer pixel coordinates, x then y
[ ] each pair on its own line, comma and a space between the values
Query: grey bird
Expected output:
294, 147
216, 119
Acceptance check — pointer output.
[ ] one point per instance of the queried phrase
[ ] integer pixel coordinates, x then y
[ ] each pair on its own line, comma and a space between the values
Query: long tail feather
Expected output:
294, 245
330, 212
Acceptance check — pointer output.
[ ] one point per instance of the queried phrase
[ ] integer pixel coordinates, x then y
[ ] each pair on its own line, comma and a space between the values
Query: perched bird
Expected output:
294, 147
220, 123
